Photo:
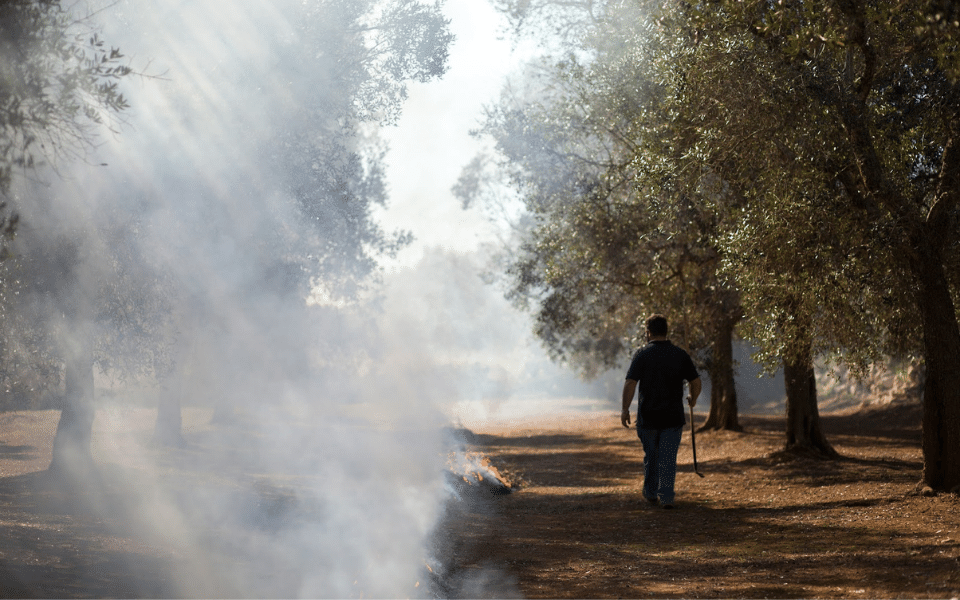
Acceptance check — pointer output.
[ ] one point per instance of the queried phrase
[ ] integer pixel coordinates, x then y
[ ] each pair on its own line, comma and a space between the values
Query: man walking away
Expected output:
659, 370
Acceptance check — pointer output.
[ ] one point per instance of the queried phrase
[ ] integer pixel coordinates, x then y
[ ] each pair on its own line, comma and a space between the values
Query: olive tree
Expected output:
346, 72
870, 139
613, 231
58, 89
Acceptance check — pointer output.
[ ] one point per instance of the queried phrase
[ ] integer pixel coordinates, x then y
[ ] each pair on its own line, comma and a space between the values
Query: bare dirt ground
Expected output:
758, 525
53, 543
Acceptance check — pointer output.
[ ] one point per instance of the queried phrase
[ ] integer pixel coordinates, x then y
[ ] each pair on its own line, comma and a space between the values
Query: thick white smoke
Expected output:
314, 424
322, 475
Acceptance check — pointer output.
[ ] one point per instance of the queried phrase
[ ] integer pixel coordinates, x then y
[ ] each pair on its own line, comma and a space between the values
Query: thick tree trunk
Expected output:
941, 392
941, 334
723, 391
804, 434
71, 445
927, 234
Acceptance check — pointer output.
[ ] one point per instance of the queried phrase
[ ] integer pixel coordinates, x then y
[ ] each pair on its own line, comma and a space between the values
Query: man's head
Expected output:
657, 326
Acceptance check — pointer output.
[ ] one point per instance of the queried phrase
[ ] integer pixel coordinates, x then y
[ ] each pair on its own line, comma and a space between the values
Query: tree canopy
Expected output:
100, 279
866, 153
814, 146
59, 83
365, 54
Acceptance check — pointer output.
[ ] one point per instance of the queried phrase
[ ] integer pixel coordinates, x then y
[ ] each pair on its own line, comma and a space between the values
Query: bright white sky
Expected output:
431, 144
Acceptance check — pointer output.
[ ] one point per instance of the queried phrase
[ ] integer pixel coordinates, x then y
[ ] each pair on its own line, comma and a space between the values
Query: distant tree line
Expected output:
786, 172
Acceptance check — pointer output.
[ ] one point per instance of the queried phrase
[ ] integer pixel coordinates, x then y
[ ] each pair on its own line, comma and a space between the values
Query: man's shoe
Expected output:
651, 500
668, 506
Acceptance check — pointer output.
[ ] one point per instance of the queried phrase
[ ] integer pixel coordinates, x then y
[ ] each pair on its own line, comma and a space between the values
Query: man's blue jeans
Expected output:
660, 447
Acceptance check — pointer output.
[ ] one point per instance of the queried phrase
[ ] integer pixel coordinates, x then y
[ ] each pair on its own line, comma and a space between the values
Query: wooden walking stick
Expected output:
693, 440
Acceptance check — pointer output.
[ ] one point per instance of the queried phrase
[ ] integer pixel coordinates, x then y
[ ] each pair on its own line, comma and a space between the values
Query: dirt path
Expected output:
756, 526
53, 544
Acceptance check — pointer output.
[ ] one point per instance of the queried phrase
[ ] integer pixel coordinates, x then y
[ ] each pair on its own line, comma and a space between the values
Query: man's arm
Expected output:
695, 387
629, 389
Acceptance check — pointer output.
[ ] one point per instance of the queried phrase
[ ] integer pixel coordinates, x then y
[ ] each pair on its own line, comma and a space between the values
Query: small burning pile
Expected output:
475, 488
471, 472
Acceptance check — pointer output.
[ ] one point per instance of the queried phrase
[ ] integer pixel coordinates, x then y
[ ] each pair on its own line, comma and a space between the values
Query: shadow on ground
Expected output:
758, 525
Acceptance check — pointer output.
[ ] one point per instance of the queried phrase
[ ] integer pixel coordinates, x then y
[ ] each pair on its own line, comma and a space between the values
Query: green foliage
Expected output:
364, 55
136, 318
346, 66
811, 277
828, 222
704, 155
614, 231
134, 323
58, 84
813, 148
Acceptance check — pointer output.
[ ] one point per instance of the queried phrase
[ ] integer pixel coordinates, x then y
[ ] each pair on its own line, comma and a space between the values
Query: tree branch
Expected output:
947, 195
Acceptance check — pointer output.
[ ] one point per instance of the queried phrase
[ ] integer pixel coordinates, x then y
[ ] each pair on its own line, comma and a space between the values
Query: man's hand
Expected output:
694, 389
629, 389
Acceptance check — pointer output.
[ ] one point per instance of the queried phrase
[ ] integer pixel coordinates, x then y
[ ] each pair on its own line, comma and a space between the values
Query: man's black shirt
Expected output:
660, 368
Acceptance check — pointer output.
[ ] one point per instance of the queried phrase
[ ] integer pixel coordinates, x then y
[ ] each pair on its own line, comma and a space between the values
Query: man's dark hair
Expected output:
657, 325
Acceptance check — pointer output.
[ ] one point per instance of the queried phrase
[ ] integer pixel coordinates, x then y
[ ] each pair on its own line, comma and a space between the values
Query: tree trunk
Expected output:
71, 445
941, 392
168, 429
723, 391
804, 434
941, 334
